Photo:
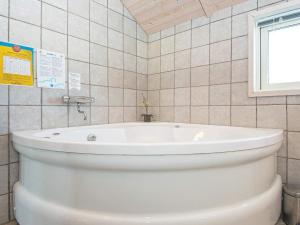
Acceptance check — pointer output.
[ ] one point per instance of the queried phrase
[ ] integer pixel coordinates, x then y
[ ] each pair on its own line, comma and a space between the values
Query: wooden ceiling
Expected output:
156, 15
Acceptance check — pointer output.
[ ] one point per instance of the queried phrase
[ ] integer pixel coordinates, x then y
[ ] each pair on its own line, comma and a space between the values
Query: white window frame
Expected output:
255, 80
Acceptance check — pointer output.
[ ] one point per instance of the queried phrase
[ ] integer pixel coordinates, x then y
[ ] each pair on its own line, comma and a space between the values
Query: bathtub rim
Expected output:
25, 138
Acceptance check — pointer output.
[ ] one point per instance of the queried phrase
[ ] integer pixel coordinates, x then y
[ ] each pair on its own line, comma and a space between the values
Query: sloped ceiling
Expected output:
155, 15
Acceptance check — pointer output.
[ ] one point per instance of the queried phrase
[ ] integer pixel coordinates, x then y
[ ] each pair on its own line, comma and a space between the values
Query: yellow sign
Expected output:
16, 64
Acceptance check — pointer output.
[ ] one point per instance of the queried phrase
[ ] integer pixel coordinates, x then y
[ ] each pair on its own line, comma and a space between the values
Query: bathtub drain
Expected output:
91, 137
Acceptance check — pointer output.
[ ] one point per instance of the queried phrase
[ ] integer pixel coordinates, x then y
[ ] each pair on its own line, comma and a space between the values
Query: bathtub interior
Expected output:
154, 133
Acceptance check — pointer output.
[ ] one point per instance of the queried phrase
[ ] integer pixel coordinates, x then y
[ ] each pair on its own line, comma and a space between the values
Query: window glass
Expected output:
284, 55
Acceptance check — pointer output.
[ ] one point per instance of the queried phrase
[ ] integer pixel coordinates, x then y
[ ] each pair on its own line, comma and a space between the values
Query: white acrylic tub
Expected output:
159, 174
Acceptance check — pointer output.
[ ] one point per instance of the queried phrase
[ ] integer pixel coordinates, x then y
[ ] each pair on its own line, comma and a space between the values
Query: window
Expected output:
274, 51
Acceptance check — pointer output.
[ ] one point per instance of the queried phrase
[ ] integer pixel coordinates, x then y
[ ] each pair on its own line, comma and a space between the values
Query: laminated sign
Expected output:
16, 64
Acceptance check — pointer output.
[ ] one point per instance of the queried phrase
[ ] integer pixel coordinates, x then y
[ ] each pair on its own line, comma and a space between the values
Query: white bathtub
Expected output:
158, 174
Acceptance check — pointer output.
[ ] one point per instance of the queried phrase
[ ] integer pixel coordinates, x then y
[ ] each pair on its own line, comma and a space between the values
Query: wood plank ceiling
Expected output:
155, 15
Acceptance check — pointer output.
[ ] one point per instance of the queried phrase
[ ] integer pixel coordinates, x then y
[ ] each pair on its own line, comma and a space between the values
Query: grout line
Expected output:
10, 204
107, 62
90, 86
67, 66
231, 52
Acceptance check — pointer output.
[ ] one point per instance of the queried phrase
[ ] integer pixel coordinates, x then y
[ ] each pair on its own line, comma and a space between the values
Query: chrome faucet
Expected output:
81, 111
78, 100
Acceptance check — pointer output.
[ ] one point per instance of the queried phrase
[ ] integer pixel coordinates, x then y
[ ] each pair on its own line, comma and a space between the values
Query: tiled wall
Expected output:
198, 73
102, 42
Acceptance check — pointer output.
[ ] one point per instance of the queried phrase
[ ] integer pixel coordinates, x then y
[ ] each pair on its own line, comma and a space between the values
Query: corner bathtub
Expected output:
158, 174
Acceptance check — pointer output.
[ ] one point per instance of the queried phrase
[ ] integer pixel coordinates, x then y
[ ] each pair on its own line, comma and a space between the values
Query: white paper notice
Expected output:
51, 71
74, 81
16, 66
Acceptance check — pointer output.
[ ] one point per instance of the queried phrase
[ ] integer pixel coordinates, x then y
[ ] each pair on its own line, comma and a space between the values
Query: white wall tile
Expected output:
115, 77
24, 34
58, 3
116, 114
54, 18
154, 49
54, 116
167, 63
219, 115
22, 95
130, 27
294, 145
167, 45
78, 27
199, 114
154, 65
100, 94
81, 7
129, 97
3, 179
130, 46
54, 41
4, 7
98, 34
220, 73
168, 32
75, 47
167, 80
182, 114
116, 5
98, 13
115, 96
293, 117
200, 21
182, 96
243, 116
24, 118
200, 36
182, 78
98, 54
240, 48
240, 25
3, 29
200, 56
183, 59
200, 76
239, 94
183, 26
240, 70
99, 115
220, 30
154, 82
130, 80
244, 7
26, 10
199, 95
220, 52
4, 209
98, 75
115, 21
3, 120
271, 116
3, 151
130, 114
115, 40
220, 94
167, 97
183, 40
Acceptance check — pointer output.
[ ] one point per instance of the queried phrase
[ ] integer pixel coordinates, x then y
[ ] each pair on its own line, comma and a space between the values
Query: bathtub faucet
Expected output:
81, 111
78, 101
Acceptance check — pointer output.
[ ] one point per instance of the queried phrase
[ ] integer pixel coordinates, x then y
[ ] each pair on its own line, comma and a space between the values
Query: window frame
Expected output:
255, 79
